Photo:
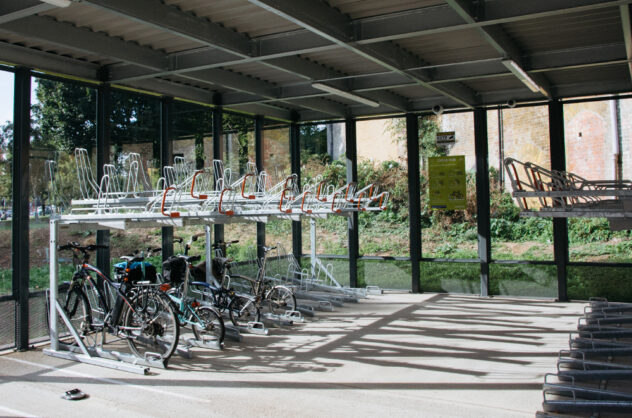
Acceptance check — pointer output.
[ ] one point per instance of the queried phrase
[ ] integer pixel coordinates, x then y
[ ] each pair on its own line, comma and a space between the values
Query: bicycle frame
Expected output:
110, 318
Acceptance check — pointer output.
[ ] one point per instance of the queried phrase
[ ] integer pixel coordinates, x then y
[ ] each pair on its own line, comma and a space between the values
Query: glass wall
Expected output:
521, 134
192, 140
597, 138
449, 234
276, 163
239, 150
323, 159
63, 118
7, 306
135, 129
383, 167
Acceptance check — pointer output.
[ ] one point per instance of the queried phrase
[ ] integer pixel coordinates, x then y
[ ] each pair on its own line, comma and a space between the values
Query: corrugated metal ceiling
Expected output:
445, 45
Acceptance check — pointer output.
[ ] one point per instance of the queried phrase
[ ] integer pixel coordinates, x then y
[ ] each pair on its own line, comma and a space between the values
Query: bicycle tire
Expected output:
280, 300
213, 330
151, 326
242, 310
76, 306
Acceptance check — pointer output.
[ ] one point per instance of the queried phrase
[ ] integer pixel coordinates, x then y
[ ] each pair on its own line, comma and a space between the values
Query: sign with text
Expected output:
446, 138
447, 188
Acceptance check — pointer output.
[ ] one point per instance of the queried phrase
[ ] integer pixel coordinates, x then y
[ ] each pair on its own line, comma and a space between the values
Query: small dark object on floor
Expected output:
74, 395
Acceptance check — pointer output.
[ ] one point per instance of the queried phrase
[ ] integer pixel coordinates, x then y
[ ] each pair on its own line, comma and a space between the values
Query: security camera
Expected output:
511, 103
437, 109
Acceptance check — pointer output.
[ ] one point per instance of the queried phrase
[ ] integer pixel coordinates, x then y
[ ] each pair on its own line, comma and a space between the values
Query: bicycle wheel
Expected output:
243, 310
280, 300
211, 326
151, 326
75, 304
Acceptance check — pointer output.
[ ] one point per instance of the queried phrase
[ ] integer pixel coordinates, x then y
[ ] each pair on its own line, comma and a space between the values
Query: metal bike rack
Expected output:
594, 375
562, 194
125, 199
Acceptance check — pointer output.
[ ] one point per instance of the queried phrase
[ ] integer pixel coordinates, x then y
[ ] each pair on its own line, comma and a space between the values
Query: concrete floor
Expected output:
391, 355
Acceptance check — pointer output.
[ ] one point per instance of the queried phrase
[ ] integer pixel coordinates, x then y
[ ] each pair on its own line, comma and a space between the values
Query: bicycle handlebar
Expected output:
222, 243
83, 249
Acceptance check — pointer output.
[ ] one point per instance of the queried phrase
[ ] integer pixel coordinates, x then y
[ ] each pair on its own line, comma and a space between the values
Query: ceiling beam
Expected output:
626, 23
221, 39
400, 25
332, 25
86, 41
47, 62
173, 20
496, 37
368, 84
66, 35
13, 10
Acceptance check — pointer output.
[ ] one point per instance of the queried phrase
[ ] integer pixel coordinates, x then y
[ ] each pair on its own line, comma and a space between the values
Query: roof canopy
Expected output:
313, 59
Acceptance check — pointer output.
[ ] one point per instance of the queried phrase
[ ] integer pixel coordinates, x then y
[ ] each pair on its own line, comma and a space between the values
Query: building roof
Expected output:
316, 59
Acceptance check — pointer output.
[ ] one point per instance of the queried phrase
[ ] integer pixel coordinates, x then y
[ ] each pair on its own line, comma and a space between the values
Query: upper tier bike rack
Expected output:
540, 192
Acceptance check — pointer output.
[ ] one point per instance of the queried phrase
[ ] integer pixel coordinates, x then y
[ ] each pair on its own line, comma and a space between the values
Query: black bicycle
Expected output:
240, 308
140, 314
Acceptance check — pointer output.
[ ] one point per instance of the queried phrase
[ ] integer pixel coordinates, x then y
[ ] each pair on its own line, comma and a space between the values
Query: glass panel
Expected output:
450, 277
7, 305
239, 150
323, 157
135, 122
277, 164
597, 137
192, 133
612, 283
382, 161
6, 189
522, 134
387, 274
523, 280
63, 118
449, 233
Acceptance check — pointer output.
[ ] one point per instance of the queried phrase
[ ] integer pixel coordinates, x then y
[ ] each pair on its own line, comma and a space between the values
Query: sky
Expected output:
6, 96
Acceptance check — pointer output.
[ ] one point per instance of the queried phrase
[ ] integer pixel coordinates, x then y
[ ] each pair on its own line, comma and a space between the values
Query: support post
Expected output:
20, 221
482, 196
103, 157
352, 176
295, 165
560, 225
54, 280
414, 198
261, 226
312, 248
166, 158
218, 154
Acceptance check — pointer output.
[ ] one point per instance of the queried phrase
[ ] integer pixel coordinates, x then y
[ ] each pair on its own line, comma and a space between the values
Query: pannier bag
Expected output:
174, 269
135, 272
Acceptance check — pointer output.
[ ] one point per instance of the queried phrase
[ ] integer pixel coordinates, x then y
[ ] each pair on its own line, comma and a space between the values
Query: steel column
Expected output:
352, 176
21, 173
414, 198
560, 225
482, 196
218, 154
261, 226
295, 165
104, 103
166, 158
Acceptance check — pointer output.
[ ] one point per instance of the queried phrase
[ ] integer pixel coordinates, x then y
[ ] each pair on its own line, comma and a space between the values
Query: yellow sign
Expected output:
447, 188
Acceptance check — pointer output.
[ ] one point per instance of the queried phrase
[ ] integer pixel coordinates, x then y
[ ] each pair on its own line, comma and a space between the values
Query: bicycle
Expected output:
223, 297
143, 317
206, 323
277, 300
